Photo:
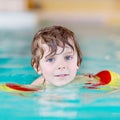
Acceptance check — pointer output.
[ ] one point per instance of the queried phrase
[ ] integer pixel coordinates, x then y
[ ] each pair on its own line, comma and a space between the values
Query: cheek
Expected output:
73, 65
46, 69
73, 68
74, 62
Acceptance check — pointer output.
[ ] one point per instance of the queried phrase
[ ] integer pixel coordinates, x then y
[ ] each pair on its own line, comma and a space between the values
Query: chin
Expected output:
61, 84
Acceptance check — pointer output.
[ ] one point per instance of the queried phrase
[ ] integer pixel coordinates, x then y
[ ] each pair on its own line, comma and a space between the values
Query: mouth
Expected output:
62, 75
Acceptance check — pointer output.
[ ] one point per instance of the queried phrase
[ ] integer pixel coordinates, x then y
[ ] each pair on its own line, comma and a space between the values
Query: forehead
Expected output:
59, 49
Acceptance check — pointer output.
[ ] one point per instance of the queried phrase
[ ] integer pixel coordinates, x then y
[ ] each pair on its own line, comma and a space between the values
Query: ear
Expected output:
37, 69
77, 67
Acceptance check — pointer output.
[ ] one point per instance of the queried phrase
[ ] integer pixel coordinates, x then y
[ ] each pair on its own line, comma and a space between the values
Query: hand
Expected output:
89, 75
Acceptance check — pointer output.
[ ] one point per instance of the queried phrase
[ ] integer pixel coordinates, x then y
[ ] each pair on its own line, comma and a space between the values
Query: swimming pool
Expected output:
101, 50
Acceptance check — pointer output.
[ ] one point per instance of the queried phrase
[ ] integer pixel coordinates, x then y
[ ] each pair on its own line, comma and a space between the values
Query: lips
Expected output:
61, 75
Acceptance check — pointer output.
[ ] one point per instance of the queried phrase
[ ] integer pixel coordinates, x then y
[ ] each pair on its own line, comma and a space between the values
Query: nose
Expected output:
61, 67
61, 64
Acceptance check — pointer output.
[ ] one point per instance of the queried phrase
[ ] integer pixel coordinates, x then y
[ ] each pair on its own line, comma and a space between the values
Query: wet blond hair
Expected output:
53, 36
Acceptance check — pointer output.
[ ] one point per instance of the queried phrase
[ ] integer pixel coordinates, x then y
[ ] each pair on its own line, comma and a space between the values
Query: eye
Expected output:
50, 60
68, 57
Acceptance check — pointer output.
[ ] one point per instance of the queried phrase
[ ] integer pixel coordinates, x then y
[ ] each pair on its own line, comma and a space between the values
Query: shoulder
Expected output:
39, 81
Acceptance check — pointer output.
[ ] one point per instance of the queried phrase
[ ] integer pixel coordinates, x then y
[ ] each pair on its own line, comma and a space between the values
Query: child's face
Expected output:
59, 69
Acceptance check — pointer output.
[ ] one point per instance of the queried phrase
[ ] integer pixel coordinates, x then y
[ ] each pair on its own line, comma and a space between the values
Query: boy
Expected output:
56, 56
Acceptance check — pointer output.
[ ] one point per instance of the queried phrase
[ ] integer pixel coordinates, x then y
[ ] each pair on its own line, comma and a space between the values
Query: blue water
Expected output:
101, 50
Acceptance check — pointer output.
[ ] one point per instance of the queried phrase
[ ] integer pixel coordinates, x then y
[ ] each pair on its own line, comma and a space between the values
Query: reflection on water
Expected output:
70, 102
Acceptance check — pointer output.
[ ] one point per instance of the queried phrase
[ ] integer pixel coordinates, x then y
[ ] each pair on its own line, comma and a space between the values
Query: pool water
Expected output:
101, 50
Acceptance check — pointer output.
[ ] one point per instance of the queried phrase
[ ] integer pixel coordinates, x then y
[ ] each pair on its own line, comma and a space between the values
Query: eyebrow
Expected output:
71, 53
49, 56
